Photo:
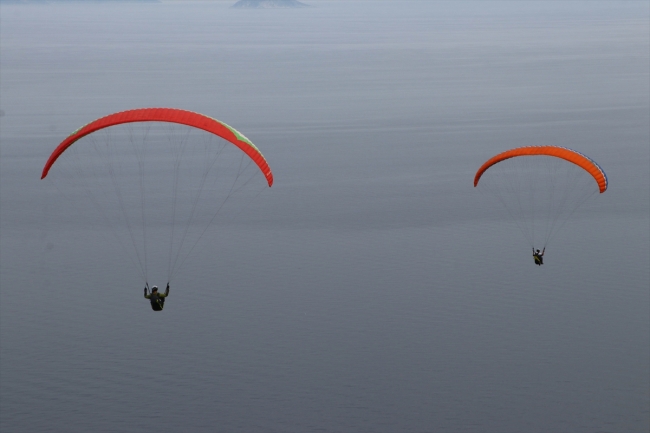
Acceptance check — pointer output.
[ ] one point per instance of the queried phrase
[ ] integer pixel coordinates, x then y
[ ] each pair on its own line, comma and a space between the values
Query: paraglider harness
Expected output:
157, 301
539, 259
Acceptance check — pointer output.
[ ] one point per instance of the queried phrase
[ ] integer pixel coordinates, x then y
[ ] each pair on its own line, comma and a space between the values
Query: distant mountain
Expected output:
268, 4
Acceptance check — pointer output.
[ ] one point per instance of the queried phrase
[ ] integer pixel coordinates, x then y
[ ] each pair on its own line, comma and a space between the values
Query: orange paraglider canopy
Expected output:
555, 151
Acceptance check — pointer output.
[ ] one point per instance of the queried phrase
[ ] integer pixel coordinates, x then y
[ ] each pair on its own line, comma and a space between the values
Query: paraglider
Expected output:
172, 115
157, 300
159, 179
540, 187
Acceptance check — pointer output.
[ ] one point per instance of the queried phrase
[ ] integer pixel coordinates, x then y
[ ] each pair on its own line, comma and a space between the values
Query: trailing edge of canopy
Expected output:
171, 115
572, 156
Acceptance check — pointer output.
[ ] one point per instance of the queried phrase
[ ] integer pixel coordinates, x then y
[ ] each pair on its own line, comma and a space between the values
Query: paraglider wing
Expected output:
171, 115
559, 152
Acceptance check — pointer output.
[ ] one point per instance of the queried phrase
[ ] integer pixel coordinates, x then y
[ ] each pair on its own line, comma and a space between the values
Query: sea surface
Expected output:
371, 288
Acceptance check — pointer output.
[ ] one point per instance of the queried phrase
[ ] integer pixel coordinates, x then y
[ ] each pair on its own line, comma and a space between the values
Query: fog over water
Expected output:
372, 288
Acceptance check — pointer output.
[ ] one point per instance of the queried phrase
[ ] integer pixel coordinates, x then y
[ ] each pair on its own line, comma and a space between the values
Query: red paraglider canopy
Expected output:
172, 115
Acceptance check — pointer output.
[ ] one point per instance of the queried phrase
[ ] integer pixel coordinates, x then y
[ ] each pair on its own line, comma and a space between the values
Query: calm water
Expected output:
372, 288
